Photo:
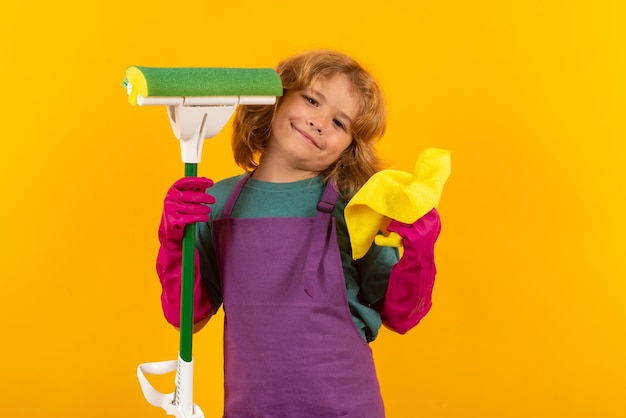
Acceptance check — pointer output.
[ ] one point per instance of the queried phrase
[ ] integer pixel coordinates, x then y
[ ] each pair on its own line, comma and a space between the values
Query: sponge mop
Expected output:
199, 101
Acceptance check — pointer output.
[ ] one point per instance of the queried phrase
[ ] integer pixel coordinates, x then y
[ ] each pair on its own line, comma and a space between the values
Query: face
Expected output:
312, 127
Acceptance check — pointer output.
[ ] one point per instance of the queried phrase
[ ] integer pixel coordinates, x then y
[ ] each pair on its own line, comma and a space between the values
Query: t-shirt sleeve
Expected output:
366, 278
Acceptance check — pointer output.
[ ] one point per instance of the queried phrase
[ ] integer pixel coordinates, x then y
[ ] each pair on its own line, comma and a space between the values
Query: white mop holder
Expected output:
195, 118
178, 403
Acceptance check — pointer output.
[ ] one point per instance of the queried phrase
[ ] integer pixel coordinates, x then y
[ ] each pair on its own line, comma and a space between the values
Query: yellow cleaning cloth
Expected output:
392, 194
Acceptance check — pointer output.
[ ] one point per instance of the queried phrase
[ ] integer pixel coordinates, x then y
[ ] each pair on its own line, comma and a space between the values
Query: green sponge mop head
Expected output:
201, 82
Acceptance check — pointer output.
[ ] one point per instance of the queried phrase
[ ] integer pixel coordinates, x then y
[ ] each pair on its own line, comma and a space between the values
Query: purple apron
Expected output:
291, 348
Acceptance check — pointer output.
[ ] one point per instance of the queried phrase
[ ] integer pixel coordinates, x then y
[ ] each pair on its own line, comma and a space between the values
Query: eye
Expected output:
311, 100
339, 124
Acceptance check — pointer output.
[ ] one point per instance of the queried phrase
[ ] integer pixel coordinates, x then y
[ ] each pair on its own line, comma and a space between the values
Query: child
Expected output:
273, 248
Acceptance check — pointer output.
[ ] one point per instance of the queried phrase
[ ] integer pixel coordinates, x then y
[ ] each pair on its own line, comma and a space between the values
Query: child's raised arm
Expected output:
409, 293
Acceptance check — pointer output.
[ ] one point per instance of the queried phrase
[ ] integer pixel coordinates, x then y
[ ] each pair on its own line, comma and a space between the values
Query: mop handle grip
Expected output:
187, 282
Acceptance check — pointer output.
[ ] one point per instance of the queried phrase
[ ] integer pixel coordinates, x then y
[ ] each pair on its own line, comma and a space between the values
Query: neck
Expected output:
277, 173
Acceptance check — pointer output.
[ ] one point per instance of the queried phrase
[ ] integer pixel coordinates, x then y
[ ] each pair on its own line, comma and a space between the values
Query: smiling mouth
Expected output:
307, 137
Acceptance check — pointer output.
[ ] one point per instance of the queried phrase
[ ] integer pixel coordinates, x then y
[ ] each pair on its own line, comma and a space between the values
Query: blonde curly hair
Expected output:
252, 124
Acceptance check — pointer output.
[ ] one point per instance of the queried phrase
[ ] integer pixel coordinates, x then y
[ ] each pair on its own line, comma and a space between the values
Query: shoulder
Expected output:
225, 186
221, 190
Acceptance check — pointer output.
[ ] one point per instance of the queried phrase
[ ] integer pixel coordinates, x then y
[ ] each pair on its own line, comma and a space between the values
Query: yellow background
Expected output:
529, 97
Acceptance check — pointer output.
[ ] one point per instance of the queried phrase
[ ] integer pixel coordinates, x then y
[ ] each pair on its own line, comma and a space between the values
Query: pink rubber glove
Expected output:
409, 292
185, 202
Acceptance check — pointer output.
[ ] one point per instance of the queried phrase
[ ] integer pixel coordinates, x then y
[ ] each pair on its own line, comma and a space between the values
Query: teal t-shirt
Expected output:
366, 279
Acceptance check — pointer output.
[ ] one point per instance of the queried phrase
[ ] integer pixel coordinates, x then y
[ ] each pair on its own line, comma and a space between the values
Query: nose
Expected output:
316, 125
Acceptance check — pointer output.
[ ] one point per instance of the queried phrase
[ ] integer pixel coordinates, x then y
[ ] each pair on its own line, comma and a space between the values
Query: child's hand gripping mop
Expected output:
199, 101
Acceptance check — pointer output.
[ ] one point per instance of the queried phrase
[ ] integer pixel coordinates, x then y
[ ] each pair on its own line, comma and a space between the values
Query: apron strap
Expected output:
234, 195
329, 199
320, 232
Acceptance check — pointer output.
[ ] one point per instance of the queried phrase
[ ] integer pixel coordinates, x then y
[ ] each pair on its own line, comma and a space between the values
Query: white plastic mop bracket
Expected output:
178, 403
193, 123
194, 118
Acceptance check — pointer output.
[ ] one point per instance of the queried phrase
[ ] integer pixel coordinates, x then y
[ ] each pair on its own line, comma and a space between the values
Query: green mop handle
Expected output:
186, 298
